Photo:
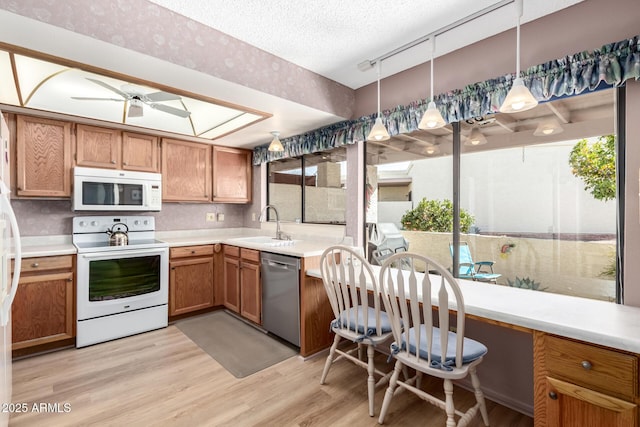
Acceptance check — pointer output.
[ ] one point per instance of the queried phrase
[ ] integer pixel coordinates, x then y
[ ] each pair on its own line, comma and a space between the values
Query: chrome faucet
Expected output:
279, 234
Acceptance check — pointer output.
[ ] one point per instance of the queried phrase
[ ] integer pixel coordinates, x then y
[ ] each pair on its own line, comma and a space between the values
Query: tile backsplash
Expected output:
53, 217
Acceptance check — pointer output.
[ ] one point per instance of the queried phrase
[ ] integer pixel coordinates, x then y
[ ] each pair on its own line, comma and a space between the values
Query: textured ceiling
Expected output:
330, 37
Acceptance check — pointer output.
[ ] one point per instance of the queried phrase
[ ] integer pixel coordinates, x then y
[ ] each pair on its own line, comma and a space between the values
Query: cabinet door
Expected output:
190, 285
43, 153
42, 311
186, 171
140, 152
251, 292
232, 283
231, 175
98, 147
571, 405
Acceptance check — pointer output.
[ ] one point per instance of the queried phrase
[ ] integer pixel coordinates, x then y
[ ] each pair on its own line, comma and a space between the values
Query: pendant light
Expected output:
276, 145
548, 127
476, 137
519, 97
378, 131
432, 119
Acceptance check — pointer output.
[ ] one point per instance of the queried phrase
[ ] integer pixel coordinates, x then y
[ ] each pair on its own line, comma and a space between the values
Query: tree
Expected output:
435, 215
595, 164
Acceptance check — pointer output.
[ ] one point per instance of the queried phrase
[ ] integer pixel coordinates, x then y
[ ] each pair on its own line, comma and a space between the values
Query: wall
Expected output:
632, 211
571, 30
53, 217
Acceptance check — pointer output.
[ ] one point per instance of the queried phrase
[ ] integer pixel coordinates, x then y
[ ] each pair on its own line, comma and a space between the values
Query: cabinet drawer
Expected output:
231, 250
45, 263
188, 251
250, 255
593, 367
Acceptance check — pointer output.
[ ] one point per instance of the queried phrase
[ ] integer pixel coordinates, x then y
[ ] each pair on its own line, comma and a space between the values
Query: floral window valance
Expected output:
612, 64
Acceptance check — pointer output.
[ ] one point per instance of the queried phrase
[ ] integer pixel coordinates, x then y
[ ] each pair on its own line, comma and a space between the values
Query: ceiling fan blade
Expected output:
162, 96
171, 110
82, 98
108, 86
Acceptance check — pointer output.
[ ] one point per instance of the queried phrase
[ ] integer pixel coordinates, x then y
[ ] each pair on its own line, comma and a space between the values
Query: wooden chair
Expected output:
347, 278
423, 340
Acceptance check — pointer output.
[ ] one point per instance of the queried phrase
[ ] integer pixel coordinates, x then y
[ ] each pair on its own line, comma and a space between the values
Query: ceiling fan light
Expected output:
518, 99
378, 132
276, 145
432, 119
135, 108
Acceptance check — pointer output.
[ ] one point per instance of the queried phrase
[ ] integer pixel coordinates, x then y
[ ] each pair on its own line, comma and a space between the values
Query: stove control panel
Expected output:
100, 224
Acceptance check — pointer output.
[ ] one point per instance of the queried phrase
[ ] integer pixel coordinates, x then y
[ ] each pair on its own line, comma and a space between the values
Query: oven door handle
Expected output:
119, 254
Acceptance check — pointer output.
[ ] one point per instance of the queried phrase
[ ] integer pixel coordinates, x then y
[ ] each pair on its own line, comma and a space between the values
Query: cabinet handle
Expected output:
35, 265
193, 252
69, 279
553, 395
586, 365
113, 161
125, 163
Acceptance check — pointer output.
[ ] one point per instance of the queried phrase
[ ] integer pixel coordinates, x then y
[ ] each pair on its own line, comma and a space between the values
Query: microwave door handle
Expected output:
116, 195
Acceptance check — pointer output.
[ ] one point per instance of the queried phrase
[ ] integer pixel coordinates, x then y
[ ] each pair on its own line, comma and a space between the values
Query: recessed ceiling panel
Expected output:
52, 87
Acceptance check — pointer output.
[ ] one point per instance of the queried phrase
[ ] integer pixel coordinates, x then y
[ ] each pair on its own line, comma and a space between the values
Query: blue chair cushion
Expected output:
472, 349
347, 320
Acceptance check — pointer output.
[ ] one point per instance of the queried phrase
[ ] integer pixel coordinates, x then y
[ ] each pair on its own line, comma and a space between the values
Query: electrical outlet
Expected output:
253, 216
220, 217
211, 216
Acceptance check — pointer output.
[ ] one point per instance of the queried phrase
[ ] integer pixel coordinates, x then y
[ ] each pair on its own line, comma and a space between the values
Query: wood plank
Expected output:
162, 378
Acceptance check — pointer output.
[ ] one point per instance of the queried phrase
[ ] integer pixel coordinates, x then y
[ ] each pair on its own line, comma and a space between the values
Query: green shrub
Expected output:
525, 283
435, 215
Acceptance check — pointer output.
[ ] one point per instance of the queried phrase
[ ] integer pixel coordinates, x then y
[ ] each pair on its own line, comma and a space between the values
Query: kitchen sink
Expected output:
264, 240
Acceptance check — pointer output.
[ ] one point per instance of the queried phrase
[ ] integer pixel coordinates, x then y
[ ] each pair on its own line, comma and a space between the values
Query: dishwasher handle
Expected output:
278, 265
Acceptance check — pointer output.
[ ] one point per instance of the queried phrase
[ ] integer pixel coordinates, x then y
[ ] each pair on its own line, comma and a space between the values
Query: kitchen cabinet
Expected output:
186, 171
114, 149
581, 384
43, 157
242, 284
231, 175
43, 308
190, 279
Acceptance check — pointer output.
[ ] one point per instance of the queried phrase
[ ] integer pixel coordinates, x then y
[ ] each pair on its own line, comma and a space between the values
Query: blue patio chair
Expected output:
482, 271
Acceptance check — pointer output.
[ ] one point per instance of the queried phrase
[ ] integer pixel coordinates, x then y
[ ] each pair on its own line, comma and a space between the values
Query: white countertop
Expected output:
600, 322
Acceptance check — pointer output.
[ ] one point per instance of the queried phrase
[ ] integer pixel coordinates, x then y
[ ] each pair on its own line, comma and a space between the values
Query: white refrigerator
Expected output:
9, 236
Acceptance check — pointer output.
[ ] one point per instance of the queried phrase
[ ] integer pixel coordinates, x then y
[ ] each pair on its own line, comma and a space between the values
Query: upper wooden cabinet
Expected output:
231, 175
186, 171
140, 152
43, 157
114, 149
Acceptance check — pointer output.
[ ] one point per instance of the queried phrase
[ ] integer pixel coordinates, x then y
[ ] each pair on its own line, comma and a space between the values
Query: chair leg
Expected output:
449, 406
371, 381
418, 379
475, 381
360, 348
329, 361
388, 395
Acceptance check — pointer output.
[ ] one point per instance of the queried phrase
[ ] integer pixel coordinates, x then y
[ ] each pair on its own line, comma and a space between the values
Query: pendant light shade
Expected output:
519, 97
475, 138
276, 145
548, 127
432, 119
378, 131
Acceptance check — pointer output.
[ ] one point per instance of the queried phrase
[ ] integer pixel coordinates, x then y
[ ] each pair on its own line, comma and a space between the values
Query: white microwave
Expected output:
116, 190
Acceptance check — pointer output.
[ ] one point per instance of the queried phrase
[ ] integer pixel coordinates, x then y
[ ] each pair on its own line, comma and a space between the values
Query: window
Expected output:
530, 210
311, 188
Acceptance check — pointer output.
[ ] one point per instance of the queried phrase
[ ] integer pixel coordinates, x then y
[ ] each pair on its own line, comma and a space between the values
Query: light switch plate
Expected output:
220, 217
211, 216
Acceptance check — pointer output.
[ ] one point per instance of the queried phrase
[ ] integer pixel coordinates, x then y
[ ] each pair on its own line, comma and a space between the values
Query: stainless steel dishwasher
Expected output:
281, 296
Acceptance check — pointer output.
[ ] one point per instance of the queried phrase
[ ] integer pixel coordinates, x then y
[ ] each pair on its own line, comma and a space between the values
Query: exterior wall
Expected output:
562, 266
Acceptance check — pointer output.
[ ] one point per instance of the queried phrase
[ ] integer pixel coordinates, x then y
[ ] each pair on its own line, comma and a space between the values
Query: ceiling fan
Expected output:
137, 99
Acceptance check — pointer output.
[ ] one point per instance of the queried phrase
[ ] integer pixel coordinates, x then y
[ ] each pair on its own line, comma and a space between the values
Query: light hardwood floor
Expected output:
162, 378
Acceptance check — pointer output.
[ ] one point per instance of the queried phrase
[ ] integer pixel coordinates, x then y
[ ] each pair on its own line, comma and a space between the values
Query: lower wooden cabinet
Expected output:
242, 284
43, 308
583, 385
191, 279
